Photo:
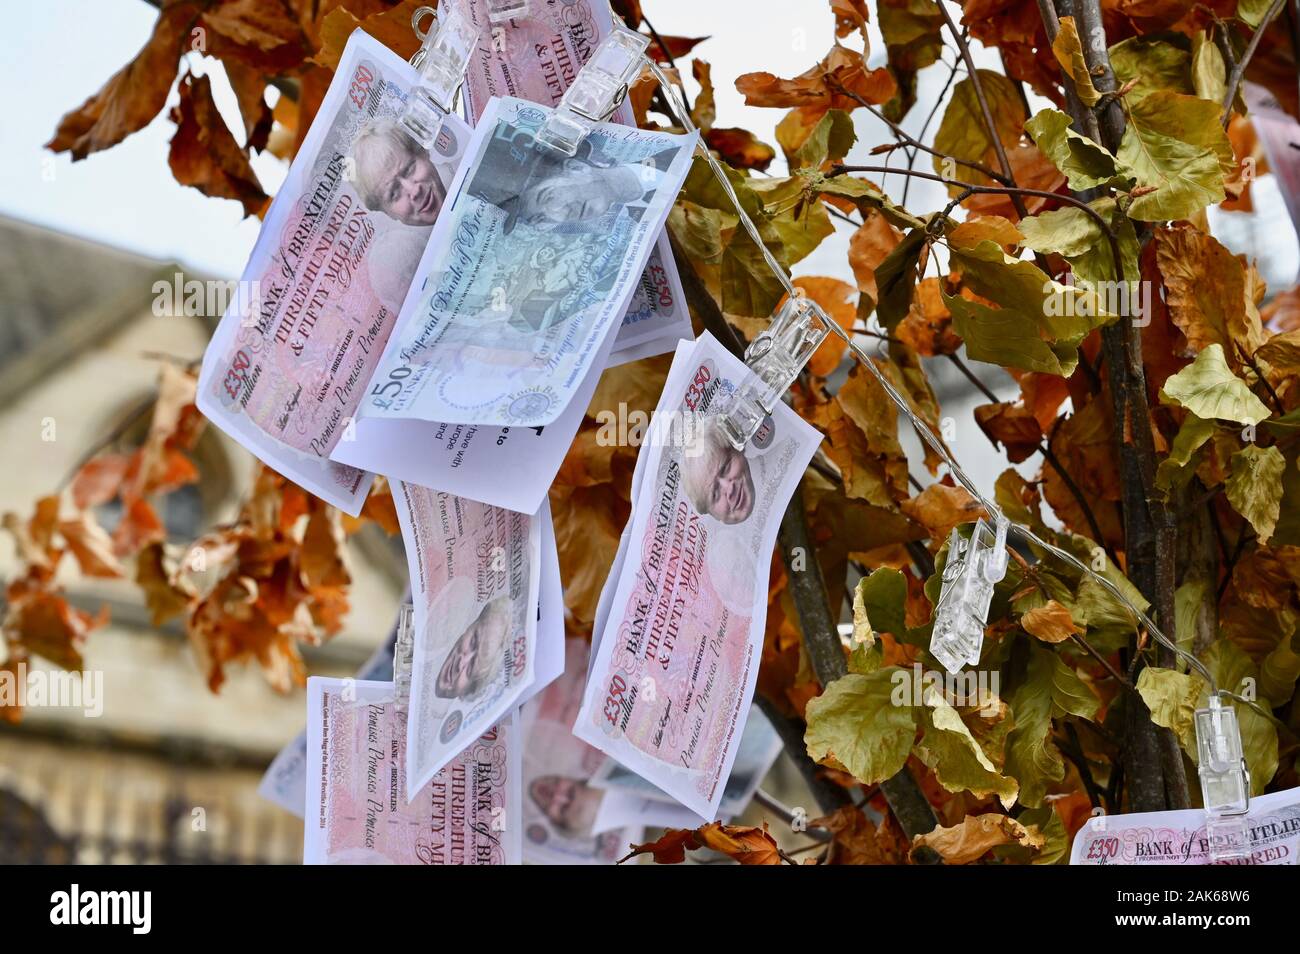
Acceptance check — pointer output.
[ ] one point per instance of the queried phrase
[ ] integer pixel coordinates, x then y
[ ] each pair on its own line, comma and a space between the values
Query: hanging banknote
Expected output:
358, 812
285, 779
536, 57
484, 643
514, 303
678, 656
561, 807
294, 352
1272, 829
759, 748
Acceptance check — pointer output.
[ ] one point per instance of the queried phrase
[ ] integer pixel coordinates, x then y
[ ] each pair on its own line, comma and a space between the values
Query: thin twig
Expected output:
1239, 70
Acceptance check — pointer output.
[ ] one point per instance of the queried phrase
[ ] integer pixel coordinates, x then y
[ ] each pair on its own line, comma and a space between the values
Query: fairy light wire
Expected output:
922, 428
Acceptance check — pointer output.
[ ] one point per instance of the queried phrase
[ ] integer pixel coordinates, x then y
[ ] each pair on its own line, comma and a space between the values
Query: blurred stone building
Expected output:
169, 771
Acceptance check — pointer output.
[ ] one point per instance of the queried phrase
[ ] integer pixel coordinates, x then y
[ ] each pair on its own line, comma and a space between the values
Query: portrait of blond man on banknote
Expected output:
476, 656
717, 477
394, 175
550, 192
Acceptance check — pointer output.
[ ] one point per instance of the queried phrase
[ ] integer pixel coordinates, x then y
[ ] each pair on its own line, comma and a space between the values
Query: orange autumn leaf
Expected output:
140, 525
747, 845
1052, 622
99, 479
874, 239
740, 148
91, 546
830, 84
840, 302
390, 27
941, 507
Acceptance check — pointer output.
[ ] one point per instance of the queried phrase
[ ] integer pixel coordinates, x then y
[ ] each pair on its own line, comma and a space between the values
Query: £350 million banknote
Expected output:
476, 582
294, 352
525, 278
357, 809
1272, 830
285, 779
536, 57
678, 658
561, 807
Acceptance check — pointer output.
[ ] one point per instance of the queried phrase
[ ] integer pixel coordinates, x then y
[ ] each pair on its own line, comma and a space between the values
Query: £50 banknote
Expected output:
526, 276
489, 624
1271, 828
501, 339
294, 352
357, 809
678, 658
536, 57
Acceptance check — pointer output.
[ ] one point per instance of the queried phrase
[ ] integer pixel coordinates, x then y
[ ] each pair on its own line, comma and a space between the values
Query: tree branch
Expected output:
1239, 69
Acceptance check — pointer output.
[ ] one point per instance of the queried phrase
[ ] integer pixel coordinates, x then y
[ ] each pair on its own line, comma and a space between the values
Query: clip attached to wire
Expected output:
442, 61
1225, 780
974, 566
403, 655
774, 360
499, 11
599, 88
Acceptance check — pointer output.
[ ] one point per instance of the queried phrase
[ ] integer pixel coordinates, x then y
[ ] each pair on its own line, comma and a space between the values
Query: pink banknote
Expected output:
561, 807
1271, 834
357, 810
476, 574
678, 656
295, 350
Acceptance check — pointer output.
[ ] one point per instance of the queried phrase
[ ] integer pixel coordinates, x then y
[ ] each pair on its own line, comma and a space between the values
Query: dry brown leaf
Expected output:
940, 507
976, 834
166, 595
1052, 623
391, 28
135, 94
820, 86
1011, 425
203, 152
91, 545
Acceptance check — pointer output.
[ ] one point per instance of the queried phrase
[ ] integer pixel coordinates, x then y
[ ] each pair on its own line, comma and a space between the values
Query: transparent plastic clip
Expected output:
499, 11
974, 567
1225, 779
599, 88
774, 359
442, 60
403, 655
